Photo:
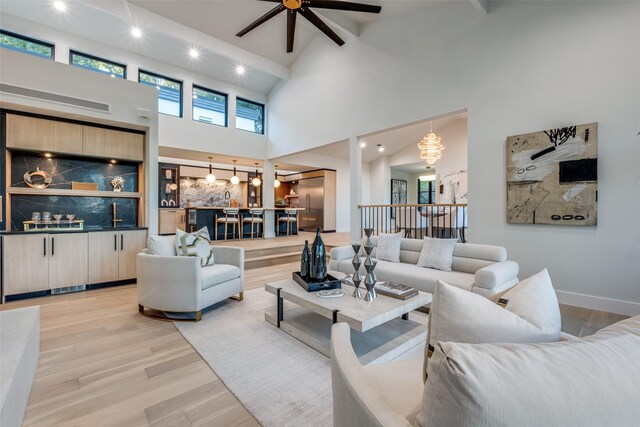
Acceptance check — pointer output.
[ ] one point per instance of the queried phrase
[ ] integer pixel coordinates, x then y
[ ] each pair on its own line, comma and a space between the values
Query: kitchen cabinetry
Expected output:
170, 219
112, 254
41, 262
111, 143
30, 133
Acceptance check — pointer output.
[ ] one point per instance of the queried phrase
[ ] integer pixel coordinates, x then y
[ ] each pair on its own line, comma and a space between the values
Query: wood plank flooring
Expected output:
103, 364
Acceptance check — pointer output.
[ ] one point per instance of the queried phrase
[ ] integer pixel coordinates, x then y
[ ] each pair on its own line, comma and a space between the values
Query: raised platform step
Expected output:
269, 260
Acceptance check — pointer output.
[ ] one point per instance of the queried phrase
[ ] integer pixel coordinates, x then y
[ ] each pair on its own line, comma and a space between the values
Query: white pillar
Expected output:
355, 187
268, 197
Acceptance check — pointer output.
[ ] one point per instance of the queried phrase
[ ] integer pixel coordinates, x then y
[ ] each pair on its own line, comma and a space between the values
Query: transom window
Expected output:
26, 44
93, 63
249, 116
209, 106
169, 92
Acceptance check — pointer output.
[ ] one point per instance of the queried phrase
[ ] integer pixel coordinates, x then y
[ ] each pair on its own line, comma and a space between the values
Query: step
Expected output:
269, 260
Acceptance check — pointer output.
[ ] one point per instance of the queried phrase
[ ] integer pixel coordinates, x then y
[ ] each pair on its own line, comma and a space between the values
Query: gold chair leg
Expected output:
198, 315
240, 297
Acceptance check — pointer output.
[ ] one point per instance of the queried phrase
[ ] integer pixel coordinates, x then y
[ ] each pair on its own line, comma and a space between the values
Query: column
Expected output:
268, 197
355, 187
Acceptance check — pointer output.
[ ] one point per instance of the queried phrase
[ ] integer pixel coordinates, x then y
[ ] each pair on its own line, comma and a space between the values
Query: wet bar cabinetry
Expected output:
39, 262
170, 219
112, 254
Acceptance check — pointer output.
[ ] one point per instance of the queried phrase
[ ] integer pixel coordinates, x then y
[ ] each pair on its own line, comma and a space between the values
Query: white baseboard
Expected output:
599, 303
269, 235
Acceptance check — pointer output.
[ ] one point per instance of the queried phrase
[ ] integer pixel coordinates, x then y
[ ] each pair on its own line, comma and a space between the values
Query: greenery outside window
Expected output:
249, 116
426, 192
93, 63
169, 92
209, 106
25, 44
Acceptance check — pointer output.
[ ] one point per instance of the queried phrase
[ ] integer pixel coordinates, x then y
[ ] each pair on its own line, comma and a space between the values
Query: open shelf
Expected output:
69, 192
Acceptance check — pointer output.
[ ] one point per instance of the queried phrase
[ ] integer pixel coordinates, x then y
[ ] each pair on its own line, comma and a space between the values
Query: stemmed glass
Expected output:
57, 217
70, 217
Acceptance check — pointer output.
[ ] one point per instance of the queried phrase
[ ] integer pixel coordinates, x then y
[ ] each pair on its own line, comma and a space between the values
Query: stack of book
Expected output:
395, 290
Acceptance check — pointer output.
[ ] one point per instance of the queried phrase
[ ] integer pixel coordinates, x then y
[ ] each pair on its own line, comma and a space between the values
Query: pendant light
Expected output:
234, 179
276, 183
256, 181
430, 147
211, 178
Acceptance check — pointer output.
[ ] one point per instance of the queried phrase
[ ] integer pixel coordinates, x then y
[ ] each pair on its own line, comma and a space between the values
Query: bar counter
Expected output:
199, 217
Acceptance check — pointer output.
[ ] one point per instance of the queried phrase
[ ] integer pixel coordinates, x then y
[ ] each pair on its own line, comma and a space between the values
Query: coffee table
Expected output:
381, 330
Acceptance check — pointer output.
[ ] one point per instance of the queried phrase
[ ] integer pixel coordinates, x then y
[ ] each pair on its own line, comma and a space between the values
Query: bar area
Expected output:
228, 200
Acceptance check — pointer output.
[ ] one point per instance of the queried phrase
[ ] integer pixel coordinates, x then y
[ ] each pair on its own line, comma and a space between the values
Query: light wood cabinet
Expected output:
112, 254
103, 256
25, 261
30, 133
170, 219
131, 244
68, 260
100, 142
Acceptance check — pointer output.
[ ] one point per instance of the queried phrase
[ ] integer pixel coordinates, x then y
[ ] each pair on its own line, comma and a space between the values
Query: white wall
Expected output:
124, 97
174, 131
341, 166
525, 67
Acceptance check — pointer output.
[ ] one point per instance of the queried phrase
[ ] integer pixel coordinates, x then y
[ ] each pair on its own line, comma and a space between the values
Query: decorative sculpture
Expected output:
369, 265
357, 262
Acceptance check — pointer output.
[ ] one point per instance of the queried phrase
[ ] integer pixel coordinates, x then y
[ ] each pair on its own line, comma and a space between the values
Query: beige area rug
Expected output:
281, 381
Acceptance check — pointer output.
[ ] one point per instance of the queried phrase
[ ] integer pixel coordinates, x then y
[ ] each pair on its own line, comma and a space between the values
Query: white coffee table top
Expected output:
359, 314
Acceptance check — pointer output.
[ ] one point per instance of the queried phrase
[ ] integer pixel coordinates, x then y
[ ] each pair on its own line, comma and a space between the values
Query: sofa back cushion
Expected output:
588, 382
467, 257
161, 245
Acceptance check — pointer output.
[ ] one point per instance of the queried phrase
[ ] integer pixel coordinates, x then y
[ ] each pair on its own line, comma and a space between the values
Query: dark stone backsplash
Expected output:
95, 211
65, 170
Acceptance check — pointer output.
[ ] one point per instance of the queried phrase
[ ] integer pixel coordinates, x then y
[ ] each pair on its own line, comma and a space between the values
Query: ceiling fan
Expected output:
302, 6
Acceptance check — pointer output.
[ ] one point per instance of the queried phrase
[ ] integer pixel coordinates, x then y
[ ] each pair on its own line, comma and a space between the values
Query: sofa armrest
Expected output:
229, 255
496, 275
341, 252
170, 283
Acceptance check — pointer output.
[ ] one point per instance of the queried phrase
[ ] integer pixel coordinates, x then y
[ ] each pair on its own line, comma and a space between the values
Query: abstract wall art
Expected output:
552, 176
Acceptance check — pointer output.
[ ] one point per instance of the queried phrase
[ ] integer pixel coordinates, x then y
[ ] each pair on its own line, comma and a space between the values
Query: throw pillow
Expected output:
161, 245
195, 244
437, 253
389, 247
528, 313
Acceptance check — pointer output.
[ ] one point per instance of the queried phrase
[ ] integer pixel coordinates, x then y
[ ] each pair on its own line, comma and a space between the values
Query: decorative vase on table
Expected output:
369, 265
305, 261
318, 270
357, 262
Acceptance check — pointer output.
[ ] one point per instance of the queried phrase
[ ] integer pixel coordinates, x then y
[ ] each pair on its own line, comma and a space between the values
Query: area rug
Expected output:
281, 381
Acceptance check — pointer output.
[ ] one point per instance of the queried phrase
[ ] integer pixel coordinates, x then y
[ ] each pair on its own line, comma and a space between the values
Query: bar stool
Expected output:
256, 221
290, 217
231, 216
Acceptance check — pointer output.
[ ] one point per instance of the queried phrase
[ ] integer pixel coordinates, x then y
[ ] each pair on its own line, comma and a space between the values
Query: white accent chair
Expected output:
178, 284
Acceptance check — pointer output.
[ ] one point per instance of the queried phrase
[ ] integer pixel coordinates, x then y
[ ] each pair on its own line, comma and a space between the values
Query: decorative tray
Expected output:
53, 225
310, 285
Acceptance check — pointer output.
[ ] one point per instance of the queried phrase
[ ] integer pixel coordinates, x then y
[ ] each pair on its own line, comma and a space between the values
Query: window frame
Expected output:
238, 98
96, 58
431, 192
171, 79
52, 46
226, 105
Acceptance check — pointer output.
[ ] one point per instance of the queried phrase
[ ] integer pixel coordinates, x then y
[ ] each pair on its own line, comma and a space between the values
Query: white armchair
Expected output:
179, 284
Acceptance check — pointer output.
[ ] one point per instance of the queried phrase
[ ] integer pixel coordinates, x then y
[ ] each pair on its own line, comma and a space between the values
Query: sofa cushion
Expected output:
218, 273
531, 315
437, 253
197, 244
588, 382
423, 279
389, 247
161, 245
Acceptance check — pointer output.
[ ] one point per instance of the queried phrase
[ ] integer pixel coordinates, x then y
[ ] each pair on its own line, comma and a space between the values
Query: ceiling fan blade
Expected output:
342, 5
315, 20
291, 29
264, 18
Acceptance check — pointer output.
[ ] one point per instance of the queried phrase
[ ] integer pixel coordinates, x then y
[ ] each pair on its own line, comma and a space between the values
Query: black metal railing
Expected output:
416, 221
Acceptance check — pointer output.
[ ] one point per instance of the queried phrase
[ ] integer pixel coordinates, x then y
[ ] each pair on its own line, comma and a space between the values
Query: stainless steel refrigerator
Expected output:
311, 193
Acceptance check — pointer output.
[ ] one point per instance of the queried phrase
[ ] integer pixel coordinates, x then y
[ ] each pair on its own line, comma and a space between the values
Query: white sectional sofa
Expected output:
483, 269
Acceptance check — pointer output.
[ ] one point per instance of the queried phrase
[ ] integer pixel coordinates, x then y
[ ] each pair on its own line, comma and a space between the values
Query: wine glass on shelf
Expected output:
57, 217
70, 218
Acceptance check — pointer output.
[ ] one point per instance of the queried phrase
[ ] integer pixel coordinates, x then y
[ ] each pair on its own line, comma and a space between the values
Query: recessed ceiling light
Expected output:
240, 69
363, 144
136, 32
193, 53
60, 5
380, 148
48, 155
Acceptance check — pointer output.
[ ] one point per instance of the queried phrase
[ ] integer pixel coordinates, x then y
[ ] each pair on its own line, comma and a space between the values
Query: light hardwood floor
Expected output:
103, 364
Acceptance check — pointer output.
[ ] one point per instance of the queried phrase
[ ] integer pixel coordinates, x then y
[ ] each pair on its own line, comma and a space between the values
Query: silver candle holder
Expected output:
357, 262
369, 265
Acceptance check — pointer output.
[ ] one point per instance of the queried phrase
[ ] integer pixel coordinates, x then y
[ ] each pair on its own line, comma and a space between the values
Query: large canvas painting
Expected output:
552, 176
398, 192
